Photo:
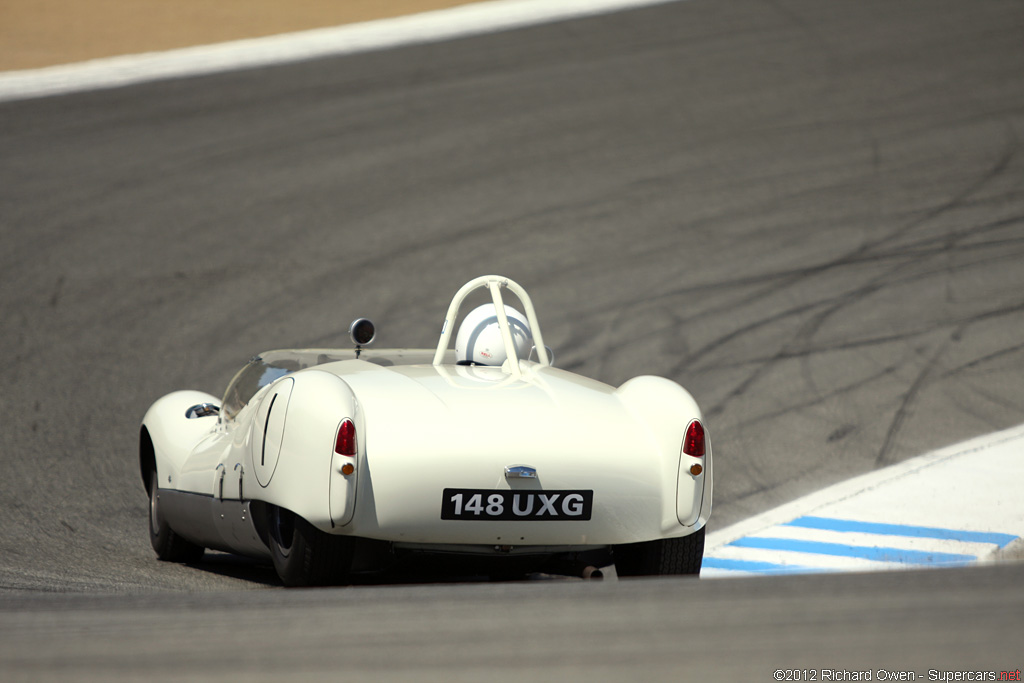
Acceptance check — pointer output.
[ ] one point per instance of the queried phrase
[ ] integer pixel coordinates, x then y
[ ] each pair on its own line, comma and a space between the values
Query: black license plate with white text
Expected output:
492, 505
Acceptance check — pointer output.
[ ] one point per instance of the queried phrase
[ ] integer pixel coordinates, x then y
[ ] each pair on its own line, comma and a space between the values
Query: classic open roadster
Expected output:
336, 462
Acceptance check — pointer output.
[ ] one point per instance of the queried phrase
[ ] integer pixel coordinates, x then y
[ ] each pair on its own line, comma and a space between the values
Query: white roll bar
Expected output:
494, 283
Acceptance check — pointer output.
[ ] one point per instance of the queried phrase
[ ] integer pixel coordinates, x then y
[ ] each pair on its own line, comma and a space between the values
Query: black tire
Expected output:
169, 546
305, 556
662, 557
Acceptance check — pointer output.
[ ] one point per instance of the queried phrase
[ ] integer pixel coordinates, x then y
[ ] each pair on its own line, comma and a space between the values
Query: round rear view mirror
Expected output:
362, 332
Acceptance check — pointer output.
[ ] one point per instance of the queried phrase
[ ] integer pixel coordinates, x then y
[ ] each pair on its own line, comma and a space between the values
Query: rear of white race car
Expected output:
550, 467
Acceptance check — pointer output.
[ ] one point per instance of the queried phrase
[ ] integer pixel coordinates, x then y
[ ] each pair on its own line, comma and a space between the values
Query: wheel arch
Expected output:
167, 435
307, 479
666, 408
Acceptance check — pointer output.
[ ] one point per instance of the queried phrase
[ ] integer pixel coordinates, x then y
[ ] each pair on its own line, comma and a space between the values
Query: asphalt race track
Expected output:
810, 214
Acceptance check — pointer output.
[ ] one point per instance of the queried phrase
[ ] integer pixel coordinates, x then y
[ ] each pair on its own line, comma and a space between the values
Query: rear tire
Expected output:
668, 556
169, 546
305, 556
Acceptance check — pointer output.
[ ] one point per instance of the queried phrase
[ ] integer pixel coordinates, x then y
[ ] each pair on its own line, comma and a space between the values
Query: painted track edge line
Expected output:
905, 530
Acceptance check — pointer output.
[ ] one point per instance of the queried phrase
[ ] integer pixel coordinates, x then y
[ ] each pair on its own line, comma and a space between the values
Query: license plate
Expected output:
534, 506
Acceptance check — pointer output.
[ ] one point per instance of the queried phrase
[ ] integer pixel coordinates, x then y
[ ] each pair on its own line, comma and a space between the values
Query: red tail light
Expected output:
693, 442
346, 441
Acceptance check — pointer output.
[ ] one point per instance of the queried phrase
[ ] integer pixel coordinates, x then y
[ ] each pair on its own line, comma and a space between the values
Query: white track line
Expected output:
465, 20
955, 506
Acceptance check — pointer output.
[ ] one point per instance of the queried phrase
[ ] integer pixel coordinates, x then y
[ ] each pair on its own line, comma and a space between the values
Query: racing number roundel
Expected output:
268, 430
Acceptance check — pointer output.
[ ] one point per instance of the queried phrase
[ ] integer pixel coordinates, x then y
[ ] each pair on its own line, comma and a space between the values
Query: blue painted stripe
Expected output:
751, 566
900, 555
829, 524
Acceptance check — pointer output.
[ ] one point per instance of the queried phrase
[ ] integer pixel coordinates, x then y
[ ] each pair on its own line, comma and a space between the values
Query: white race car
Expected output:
332, 463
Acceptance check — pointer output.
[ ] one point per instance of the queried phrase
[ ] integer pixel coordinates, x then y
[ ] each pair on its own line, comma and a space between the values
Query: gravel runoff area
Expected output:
40, 33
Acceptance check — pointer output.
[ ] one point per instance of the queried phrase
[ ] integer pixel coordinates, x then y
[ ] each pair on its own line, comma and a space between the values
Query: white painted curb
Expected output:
426, 27
960, 504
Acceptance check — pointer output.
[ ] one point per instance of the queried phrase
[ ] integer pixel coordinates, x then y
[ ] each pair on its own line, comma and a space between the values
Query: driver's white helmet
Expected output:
479, 338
